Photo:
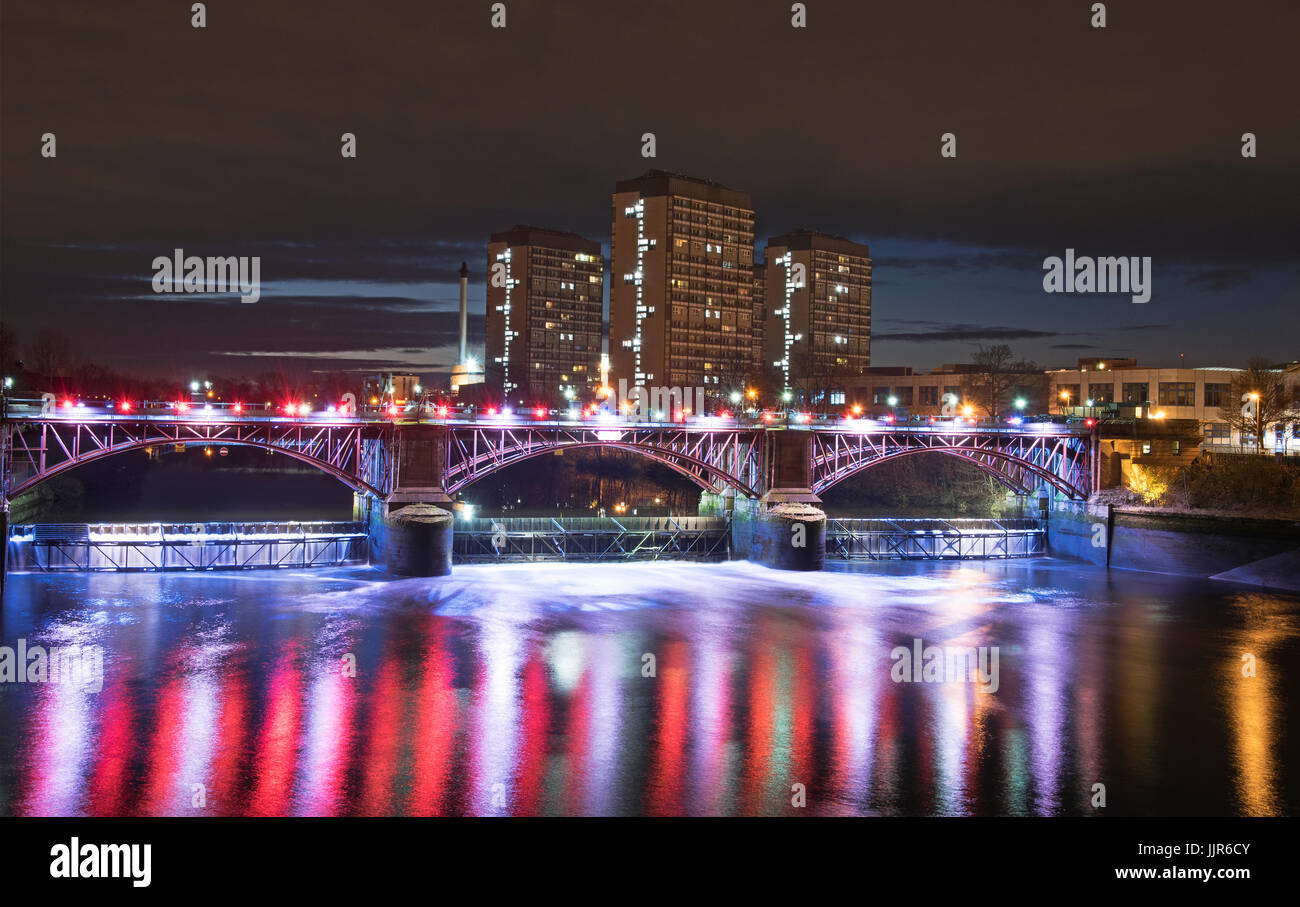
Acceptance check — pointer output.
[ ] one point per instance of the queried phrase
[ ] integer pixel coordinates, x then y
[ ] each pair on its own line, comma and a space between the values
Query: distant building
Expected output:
818, 326
1097, 388
681, 309
898, 391
1168, 393
467, 375
544, 314
758, 345
390, 387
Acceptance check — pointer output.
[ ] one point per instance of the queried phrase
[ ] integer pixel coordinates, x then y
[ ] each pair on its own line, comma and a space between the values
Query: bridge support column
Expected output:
409, 540
419, 458
788, 528
409, 534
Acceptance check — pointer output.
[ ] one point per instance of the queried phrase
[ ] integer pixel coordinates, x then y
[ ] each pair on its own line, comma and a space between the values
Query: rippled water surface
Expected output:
524, 690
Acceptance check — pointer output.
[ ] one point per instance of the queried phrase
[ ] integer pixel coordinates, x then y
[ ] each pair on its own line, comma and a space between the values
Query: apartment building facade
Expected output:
681, 307
818, 313
545, 297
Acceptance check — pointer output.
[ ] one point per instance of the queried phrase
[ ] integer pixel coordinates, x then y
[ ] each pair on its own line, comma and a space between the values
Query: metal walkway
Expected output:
184, 546
930, 539
689, 538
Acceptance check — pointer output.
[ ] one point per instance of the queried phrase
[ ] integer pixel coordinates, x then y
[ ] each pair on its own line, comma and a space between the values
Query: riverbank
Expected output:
1235, 548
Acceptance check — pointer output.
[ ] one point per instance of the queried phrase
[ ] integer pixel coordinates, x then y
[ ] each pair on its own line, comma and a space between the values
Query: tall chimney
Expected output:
464, 314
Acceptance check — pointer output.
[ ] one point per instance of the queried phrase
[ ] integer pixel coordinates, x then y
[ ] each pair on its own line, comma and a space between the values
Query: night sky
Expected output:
226, 141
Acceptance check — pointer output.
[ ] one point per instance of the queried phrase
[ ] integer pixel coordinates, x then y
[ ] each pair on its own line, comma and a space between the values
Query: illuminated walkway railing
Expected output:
931, 539
691, 538
184, 546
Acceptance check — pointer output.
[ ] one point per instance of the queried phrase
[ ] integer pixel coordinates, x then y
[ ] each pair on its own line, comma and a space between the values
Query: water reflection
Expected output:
663, 689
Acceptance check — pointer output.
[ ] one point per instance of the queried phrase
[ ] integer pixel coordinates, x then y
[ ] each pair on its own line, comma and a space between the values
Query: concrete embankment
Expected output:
1173, 543
1281, 571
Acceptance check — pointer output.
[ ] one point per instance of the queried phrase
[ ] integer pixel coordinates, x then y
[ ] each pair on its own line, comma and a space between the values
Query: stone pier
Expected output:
410, 534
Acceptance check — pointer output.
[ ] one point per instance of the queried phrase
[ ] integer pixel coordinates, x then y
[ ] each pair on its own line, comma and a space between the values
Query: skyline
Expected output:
359, 256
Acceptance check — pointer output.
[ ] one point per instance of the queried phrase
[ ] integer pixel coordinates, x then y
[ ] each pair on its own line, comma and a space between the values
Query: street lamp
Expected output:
735, 397
1020, 403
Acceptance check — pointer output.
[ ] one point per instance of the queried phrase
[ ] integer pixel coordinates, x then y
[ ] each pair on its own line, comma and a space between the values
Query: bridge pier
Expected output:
409, 534
785, 528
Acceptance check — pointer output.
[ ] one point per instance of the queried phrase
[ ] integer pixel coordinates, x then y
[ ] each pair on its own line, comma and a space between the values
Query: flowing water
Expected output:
653, 688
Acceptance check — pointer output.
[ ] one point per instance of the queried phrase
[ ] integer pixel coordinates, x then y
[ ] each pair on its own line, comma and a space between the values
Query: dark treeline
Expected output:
47, 362
581, 482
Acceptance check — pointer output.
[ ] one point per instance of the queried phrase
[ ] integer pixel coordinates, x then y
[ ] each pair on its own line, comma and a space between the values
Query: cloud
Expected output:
939, 331
1216, 280
965, 263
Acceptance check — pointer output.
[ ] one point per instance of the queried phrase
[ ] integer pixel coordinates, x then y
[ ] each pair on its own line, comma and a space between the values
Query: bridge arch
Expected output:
993, 462
704, 474
50, 472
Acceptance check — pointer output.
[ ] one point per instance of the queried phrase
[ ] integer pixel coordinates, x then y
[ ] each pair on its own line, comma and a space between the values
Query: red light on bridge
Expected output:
491, 410
767, 417
238, 408
67, 404
183, 407
392, 409
1089, 422
125, 406
889, 419
442, 412
540, 413
724, 414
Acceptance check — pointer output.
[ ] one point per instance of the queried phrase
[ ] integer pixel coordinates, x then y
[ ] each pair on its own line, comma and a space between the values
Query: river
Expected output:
654, 688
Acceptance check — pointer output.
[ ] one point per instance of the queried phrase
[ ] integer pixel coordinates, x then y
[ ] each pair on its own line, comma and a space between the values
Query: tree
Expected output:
8, 350
997, 375
49, 354
816, 374
1257, 400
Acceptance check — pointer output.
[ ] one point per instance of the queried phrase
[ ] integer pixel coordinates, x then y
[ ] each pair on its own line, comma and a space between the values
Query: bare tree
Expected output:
1257, 400
8, 350
997, 376
49, 354
816, 375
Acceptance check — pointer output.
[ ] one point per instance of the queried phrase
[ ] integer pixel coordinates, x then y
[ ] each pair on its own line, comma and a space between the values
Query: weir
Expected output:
57, 547
127, 547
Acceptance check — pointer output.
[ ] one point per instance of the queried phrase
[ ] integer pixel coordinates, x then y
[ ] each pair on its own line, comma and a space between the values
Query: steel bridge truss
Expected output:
1022, 462
707, 457
359, 454
590, 539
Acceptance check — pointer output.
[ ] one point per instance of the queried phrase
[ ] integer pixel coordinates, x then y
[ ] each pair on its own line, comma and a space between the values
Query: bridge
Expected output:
403, 457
